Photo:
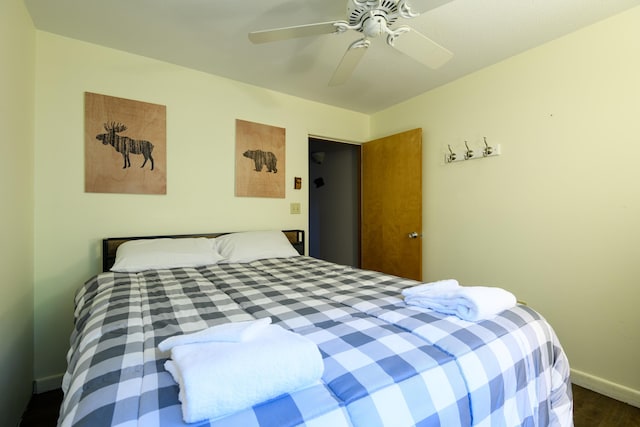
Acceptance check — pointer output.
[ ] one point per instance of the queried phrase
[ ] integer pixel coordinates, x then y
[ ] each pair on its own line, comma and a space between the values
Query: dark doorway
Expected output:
334, 201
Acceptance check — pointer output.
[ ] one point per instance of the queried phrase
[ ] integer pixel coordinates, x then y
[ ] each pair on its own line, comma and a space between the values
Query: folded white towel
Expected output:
219, 378
226, 332
439, 286
471, 303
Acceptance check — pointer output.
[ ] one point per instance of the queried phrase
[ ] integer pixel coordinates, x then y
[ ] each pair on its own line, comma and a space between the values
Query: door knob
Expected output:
414, 235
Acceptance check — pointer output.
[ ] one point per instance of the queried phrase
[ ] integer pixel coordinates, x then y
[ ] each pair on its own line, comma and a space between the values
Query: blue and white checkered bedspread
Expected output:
386, 364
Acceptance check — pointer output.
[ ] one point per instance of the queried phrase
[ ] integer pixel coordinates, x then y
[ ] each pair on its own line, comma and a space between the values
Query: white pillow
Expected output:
149, 254
252, 245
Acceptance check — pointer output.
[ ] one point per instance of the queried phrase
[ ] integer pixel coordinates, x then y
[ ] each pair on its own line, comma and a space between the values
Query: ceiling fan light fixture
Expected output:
374, 26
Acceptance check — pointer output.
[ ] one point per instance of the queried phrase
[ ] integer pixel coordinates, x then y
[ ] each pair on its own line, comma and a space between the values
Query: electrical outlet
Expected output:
295, 208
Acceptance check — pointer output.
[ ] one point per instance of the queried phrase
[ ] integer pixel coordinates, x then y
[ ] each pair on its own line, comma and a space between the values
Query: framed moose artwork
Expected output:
260, 161
125, 146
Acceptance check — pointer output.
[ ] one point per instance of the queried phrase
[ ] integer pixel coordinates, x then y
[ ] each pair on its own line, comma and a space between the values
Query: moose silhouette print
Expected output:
125, 145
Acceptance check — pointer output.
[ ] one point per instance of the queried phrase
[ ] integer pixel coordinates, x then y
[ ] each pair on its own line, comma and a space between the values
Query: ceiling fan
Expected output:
372, 18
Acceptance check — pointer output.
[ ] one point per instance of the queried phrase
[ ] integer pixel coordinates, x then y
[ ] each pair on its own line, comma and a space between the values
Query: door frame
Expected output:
321, 239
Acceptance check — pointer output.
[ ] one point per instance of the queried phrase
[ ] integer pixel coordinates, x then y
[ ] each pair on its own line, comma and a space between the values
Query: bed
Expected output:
385, 363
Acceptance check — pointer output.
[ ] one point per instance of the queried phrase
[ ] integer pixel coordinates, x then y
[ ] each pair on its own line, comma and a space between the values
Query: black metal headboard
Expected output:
110, 245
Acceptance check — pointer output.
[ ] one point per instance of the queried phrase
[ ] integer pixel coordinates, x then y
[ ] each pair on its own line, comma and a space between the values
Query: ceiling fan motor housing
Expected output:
372, 17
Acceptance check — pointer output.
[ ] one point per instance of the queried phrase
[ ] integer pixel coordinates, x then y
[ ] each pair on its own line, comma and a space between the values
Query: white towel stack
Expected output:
226, 332
471, 303
230, 367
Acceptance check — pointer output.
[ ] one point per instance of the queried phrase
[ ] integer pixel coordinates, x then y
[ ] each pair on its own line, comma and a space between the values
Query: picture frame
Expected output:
125, 145
260, 160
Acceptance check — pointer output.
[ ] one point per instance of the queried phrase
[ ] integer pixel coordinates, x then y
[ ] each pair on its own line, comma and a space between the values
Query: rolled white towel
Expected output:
439, 286
471, 303
226, 332
220, 378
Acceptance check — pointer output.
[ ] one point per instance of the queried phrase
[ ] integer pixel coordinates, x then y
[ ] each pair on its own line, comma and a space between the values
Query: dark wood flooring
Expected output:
43, 410
590, 409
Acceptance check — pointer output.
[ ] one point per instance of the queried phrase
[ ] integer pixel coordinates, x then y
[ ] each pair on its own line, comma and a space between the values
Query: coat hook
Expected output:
469, 154
487, 149
452, 156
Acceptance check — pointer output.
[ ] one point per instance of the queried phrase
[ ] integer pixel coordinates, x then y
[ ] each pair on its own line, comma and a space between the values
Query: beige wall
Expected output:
201, 113
17, 53
556, 217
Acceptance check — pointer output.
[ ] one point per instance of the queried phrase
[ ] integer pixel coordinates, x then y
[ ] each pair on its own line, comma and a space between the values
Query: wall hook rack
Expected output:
468, 153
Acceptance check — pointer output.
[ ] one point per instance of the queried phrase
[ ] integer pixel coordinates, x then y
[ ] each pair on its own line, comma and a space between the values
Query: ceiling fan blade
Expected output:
349, 62
297, 31
421, 48
422, 6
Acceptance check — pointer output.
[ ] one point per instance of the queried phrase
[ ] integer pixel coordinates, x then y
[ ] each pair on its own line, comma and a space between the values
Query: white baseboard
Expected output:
602, 386
41, 385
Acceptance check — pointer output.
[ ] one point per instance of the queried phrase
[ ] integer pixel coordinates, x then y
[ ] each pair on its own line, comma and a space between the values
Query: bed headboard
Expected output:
110, 245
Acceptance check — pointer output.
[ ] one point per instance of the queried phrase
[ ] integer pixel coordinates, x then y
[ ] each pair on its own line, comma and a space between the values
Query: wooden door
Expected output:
392, 205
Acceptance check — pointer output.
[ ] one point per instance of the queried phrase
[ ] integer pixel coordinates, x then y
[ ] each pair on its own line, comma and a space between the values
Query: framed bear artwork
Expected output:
260, 160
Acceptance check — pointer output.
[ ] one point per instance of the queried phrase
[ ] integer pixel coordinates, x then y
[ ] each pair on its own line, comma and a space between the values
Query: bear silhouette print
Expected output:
261, 159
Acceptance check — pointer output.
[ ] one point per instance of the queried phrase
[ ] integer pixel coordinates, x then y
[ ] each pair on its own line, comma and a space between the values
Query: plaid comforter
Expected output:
386, 364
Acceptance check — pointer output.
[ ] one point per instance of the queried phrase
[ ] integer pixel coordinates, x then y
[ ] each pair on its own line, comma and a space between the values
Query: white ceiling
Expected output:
211, 36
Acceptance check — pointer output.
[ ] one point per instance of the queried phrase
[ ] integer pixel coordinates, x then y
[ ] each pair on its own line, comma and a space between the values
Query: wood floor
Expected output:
589, 410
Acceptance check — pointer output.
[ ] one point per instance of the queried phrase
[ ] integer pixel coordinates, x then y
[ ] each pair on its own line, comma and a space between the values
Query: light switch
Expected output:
295, 208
